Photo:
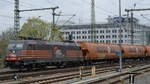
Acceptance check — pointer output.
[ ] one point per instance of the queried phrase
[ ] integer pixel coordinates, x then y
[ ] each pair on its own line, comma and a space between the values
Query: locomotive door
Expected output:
59, 52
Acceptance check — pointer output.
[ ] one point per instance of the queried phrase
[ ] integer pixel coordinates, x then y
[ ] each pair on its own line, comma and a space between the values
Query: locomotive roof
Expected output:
44, 42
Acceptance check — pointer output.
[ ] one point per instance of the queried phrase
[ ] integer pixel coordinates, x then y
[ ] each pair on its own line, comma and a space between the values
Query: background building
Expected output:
109, 32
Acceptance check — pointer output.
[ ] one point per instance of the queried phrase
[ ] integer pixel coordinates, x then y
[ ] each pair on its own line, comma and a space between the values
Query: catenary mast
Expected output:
16, 18
93, 30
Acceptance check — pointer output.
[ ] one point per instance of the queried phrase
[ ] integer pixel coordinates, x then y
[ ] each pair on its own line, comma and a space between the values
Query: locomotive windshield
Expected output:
15, 46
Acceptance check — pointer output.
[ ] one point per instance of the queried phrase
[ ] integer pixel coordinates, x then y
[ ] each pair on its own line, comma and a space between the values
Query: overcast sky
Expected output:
81, 8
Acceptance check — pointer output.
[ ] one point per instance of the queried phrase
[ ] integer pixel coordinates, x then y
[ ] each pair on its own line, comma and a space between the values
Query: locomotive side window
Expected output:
31, 47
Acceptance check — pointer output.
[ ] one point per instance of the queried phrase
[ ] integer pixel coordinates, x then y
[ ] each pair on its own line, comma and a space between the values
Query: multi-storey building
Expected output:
108, 33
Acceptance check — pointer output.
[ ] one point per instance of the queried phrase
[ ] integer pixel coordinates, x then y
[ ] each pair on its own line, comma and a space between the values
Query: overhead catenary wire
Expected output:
145, 17
12, 3
22, 3
7, 1
51, 2
58, 17
98, 7
69, 19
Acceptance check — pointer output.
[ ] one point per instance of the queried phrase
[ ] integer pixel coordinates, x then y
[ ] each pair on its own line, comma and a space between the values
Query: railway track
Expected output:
118, 78
125, 77
8, 75
67, 74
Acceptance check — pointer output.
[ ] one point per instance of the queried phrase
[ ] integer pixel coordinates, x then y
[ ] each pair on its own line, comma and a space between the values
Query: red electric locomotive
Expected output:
34, 53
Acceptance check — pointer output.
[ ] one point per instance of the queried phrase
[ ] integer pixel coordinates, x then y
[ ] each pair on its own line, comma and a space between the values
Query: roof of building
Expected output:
106, 25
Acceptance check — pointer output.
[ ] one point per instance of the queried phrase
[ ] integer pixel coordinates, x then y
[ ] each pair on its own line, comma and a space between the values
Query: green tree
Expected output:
38, 28
8, 34
3, 47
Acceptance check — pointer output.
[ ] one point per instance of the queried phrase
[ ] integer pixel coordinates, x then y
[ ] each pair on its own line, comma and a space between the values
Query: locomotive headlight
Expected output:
13, 52
7, 58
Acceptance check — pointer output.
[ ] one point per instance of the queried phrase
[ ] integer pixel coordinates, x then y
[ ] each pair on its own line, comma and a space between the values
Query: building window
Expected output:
114, 41
121, 36
89, 37
114, 31
114, 36
73, 32
89, 32
79, 32
97, 31
107, 41
82, 32
107, 36
79, 37
121, 41
102, 37
85, 32
101, 31
85, 37
97, 37
107, 31
82, 37
121, 31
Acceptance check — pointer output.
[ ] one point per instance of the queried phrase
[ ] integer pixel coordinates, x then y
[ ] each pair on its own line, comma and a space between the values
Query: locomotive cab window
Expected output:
15, 46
